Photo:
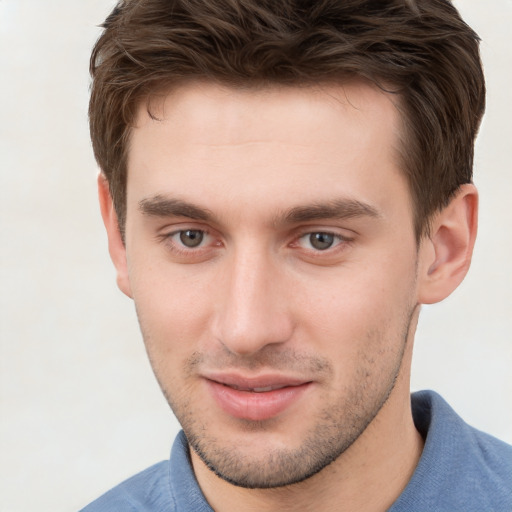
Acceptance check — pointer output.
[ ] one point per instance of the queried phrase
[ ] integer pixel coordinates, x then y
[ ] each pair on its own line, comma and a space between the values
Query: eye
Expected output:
319, 241
190, 244
187, 239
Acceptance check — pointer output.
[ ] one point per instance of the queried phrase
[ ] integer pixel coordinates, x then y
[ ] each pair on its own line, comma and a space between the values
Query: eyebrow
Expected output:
336, 209
161, 206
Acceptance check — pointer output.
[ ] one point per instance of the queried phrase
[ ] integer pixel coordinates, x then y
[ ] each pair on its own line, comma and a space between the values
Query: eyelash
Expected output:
338, 240
178, 247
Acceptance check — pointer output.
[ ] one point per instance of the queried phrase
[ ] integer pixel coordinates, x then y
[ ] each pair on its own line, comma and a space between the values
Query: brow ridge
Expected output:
161, 206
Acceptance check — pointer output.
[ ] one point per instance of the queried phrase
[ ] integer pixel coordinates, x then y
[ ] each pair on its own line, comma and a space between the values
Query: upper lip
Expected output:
255, 383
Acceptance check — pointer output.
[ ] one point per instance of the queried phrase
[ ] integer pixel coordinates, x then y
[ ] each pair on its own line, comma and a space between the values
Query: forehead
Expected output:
218, 142
196, 104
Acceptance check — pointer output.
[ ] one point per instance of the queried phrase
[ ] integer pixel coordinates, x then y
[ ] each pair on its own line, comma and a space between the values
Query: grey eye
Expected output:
191, 237
321, 241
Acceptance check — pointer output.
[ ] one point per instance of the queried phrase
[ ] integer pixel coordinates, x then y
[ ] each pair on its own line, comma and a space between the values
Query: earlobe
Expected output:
116, 245
445, 256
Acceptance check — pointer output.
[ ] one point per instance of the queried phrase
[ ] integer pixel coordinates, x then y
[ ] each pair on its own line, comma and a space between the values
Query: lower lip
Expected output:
253, 406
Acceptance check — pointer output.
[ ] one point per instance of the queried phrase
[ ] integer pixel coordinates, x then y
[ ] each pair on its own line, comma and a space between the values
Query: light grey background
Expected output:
80, 409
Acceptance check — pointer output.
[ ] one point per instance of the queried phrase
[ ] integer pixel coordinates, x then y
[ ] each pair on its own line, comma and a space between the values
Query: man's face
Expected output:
272, 260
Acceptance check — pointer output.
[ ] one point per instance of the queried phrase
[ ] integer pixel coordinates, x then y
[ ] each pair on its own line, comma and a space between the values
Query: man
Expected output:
283, 184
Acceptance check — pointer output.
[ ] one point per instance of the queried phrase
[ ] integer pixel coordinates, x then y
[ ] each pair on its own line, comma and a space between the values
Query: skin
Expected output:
256, 178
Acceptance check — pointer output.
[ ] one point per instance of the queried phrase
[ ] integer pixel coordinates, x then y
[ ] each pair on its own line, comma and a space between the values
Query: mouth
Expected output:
255, 399
257, 390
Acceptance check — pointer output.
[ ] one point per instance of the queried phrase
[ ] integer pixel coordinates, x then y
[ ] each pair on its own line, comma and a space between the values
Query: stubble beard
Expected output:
337, 427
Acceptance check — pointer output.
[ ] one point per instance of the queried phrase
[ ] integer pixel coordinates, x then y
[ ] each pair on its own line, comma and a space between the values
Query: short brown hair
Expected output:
419, 49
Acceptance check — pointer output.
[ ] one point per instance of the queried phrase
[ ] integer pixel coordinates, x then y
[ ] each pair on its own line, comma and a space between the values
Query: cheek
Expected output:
352, 306
336, 311
173, 310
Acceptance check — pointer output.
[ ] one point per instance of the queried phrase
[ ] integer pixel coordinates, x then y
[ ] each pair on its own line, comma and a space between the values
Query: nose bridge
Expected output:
253, 312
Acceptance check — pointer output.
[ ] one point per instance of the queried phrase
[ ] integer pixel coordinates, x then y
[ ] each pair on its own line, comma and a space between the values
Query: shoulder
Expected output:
461, 468
444, 430
147, 491
168, 486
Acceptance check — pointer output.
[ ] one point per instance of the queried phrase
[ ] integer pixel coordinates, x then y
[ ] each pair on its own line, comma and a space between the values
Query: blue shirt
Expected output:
460, 469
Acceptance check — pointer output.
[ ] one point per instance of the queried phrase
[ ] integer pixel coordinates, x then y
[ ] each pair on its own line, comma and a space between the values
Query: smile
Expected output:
255, 399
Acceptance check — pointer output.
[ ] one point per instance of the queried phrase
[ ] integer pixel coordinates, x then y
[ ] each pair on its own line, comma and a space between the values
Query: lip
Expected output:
255, 398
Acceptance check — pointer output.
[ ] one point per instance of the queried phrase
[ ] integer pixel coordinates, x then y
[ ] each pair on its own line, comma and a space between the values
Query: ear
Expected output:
445, 256
116, 245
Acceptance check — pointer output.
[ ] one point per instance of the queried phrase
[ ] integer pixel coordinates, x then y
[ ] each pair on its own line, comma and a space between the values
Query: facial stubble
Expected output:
337, 426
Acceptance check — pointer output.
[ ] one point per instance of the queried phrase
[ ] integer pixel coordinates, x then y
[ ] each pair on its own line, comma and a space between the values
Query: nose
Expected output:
253, 311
